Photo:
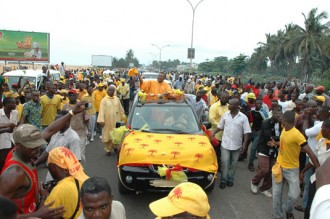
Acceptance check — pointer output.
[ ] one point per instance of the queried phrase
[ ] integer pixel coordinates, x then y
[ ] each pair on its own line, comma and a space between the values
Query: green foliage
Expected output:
124, 62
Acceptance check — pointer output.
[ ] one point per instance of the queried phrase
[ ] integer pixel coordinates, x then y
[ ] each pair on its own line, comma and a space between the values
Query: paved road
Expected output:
231, 203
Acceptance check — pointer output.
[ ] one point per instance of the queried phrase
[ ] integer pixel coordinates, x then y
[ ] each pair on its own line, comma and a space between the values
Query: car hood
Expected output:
192, 151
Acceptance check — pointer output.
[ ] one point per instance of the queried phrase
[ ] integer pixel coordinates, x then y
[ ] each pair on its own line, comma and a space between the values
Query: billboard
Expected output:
24, 46
102, 60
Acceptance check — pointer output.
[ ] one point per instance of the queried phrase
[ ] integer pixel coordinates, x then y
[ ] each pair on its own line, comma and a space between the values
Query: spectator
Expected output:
291, 143
235, 125
320, 91
186, 200
32, 111
8, 114
97, 201
51, 103
111, 111
69, 175
123, 92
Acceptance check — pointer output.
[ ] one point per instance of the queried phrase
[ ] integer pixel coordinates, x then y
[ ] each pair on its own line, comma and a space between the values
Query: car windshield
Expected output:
165, 119
150, 76
14, 80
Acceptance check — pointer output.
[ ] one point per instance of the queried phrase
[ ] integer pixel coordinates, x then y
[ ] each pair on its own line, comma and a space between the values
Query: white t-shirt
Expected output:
117, 211
321, 203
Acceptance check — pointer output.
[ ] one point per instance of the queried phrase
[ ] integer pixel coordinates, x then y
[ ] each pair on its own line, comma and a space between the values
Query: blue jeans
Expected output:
229, 160
291, 176
255, 139
307, 182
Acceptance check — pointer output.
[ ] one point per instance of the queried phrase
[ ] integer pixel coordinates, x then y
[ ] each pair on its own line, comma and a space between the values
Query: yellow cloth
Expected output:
81, 94
49, 108
89, 98
154, 87
212, 99
215, 113
65, 194
80, 76
97, 97
123, 90
197, 87
64, 158
63, 102
290, 146
19, 108
184, 150
111, 111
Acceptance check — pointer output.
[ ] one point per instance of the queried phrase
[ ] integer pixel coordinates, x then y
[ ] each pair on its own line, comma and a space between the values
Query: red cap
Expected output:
72, 91
320, 88
247, 87
234, 86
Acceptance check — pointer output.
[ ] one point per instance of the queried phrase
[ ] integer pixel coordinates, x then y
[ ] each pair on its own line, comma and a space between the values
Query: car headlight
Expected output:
128, 179
210, 177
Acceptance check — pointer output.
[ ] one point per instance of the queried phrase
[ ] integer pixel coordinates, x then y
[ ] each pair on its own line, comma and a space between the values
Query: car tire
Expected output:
122, 189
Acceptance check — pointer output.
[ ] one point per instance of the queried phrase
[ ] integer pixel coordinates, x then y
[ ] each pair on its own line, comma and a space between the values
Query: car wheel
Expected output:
122, 189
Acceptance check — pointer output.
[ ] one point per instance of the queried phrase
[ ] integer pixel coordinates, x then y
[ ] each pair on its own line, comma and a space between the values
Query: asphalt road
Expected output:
237, 202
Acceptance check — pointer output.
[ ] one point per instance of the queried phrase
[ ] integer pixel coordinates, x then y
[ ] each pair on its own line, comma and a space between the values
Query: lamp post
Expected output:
160, 52
191, 52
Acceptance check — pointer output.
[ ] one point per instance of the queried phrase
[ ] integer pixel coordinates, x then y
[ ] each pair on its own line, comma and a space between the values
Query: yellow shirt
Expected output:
19, 109
65, 194
154, 87
123, 90
63, 102
212, 99
81, 94
290, 146
215, 113
49, 108
89, 98
97, 97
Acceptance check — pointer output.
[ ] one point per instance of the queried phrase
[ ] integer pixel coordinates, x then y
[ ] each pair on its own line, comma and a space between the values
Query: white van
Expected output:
34, 76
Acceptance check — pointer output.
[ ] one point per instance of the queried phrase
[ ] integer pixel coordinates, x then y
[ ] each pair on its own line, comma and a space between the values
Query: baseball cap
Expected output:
234, 86
320, 98
320, 88
185, 197
72, 91
122, 80
100, 85
291, 105
251, 96
29, 136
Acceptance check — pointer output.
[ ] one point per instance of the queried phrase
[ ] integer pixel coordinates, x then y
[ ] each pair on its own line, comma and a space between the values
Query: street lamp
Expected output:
191, 51
160, 52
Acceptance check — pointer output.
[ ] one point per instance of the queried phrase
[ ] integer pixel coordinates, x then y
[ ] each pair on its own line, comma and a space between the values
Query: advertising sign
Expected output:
24, 46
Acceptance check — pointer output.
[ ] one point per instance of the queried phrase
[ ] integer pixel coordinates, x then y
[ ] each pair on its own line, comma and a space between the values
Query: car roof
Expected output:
27, 72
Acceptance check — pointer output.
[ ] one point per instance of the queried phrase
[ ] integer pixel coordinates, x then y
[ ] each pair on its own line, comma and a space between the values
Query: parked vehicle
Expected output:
34, 76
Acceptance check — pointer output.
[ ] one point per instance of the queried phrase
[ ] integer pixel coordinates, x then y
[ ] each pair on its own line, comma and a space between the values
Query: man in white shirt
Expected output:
8, 114
97, 201
236, 129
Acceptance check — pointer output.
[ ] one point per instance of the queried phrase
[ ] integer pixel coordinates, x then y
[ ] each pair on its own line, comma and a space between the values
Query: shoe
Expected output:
241, 157
87, 143
289, 216
222, 185
254, 188
108, 153
251, 167
94, 132
299, 208
100, 136
230, 184
266, 193
92, 139
116, 150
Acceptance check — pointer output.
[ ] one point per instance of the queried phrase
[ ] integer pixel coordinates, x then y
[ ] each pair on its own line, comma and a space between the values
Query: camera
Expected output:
88, 105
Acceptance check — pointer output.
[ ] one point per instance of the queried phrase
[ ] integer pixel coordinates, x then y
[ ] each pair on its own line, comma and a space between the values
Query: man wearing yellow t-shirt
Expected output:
81, 91
98, 95
90, 111
50, 105
291, 143
155, 87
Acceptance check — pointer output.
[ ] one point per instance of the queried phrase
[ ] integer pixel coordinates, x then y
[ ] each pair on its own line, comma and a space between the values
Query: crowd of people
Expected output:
286, 125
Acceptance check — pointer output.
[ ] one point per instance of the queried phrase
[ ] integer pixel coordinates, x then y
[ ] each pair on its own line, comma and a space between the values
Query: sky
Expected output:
80, 29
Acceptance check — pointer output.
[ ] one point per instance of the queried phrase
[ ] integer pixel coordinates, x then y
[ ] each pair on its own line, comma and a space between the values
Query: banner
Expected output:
24, 46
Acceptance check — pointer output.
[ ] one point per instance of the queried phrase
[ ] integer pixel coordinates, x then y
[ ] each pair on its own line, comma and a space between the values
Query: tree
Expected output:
239, 64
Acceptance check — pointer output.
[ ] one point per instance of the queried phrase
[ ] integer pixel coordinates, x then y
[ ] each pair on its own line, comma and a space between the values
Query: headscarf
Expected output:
64, 158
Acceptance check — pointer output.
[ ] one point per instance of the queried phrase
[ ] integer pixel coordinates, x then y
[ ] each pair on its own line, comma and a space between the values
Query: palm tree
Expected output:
310, 41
